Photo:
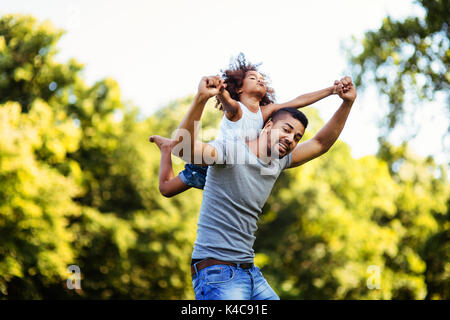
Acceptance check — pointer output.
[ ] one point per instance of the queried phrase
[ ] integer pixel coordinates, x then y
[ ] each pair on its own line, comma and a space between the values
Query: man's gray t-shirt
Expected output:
233, 197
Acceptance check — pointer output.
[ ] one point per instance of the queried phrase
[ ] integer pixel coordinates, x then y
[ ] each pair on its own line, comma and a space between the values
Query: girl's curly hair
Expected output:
234, 79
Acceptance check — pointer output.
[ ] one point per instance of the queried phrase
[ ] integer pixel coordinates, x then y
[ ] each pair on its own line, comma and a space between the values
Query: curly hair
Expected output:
234, 79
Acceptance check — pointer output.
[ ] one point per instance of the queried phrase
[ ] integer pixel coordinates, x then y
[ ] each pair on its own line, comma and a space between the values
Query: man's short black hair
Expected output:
295, 113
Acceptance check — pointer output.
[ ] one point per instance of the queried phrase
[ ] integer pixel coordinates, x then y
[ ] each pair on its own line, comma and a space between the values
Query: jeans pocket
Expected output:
219, 274
195, 283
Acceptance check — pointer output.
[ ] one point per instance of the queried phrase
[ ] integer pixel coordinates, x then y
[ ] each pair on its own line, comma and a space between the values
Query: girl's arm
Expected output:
231, 107
301, 101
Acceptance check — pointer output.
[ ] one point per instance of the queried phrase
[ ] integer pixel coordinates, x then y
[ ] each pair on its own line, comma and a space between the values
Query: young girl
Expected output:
247, 103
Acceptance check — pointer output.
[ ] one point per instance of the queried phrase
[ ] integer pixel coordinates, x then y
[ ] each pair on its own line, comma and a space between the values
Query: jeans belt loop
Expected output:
195, 267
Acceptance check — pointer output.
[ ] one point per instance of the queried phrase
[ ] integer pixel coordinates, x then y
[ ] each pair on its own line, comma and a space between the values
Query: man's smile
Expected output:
283, 147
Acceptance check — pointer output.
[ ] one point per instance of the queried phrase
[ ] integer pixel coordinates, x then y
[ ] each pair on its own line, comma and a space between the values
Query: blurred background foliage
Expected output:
408, 60
79, 186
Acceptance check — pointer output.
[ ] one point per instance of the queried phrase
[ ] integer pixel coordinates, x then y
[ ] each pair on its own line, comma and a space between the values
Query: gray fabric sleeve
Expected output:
220, 147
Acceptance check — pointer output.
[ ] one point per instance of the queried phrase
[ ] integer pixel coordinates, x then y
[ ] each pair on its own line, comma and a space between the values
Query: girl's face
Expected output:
253, 84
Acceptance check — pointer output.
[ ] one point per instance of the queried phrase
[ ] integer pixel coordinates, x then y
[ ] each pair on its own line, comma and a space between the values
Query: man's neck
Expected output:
251, 102
258, 147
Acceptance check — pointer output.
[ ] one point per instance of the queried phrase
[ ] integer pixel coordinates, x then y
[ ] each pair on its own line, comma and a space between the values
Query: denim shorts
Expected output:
194, 175
224, 282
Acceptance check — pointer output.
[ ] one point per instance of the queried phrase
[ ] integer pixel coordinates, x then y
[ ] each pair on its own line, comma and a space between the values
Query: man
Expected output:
247, 102
240, 178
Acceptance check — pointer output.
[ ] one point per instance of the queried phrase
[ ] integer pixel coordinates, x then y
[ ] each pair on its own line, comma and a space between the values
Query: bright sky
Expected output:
159, 50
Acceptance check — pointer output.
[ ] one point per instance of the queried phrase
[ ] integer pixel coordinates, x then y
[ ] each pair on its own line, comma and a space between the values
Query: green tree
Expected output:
326, 222
35, 245
28, 70
86, 176
79, 185
408, 60
36, 197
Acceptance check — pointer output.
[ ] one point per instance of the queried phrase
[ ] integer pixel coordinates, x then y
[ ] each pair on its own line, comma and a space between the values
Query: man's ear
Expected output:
268, 125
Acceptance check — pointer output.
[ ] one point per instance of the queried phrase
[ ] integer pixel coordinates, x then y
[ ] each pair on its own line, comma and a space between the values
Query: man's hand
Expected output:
210, 86
348, 91
327, 136
337, 87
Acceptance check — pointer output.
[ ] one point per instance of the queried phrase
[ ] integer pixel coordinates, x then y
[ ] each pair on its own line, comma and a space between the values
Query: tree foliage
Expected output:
79, 186
407, 59
337, 216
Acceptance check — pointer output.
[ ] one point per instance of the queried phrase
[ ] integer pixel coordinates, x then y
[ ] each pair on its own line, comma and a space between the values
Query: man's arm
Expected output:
186, 145
301, 101
328, 135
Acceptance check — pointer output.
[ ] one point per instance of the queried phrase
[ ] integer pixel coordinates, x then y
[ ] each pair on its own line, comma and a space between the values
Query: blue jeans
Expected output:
194, 175
223, 282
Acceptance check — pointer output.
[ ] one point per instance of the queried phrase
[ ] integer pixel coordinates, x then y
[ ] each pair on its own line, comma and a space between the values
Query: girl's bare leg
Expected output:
169, 185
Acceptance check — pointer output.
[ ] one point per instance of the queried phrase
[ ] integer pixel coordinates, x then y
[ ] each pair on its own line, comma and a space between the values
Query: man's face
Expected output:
285, 133
254, 83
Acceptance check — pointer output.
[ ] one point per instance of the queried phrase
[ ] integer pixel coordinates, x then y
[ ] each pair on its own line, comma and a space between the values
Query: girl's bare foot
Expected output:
164, 144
